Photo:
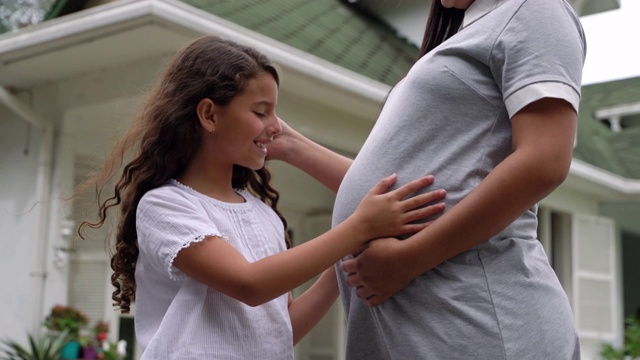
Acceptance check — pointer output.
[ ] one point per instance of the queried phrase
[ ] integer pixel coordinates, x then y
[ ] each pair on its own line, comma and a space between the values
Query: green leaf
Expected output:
46, 347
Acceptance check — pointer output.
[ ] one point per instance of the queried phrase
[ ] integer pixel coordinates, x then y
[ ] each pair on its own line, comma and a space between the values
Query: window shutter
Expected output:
595, 288
87, 287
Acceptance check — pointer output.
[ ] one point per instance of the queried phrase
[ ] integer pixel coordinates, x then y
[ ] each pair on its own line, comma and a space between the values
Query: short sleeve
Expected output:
166, 223
540, 53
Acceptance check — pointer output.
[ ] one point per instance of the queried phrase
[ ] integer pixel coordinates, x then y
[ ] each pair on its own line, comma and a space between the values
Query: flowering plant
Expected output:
95, 336
96, 344
101, 330
68, 318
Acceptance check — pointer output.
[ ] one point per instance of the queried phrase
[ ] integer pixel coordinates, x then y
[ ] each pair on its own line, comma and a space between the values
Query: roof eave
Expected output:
285, 55
100, 21
604, 183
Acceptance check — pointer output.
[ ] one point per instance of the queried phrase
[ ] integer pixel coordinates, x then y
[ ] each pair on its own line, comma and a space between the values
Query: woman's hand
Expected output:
376, 273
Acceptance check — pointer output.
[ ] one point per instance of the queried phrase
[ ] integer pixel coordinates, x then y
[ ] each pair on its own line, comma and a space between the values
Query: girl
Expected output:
200, 243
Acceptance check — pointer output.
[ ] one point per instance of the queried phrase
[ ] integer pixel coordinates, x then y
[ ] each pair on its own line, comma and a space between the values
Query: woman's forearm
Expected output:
543, 137
500, 199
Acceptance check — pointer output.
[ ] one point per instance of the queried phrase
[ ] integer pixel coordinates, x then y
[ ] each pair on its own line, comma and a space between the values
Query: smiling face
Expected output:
457, 4
244, 127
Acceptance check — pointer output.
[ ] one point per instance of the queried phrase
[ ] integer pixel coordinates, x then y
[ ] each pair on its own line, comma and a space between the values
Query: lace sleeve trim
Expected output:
174, 273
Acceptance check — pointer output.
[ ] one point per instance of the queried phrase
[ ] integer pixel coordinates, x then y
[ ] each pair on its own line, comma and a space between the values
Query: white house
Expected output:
69, 85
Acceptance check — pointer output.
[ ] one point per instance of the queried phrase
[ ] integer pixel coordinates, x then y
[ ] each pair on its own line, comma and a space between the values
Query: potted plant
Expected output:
88, 346
631, 347
70, 320
47, 347
92, 341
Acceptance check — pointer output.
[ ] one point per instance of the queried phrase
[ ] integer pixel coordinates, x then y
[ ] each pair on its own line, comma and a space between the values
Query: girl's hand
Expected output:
392, 213
283, 143
321, 163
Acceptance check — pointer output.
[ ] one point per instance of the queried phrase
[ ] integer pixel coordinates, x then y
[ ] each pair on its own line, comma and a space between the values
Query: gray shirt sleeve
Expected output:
540, 53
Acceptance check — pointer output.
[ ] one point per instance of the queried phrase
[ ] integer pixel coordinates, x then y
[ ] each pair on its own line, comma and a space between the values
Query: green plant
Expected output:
67, 318
114, 351
46, 347
631, 348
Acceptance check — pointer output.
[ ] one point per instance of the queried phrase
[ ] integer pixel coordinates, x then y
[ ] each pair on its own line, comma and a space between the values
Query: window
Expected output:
620, 117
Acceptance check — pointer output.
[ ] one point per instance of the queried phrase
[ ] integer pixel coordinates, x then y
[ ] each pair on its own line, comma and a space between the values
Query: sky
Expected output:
613, 44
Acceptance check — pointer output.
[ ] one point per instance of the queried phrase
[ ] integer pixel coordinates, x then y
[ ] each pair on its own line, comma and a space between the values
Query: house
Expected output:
69, 85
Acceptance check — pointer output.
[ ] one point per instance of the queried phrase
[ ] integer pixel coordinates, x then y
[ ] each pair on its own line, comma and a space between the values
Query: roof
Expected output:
32, 13
617, 152
352, 38
329, 29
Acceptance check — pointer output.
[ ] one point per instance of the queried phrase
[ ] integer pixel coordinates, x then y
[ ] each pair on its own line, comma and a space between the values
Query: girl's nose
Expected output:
274, 127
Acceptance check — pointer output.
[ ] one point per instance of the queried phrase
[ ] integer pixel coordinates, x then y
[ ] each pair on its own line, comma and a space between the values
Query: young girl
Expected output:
200, 244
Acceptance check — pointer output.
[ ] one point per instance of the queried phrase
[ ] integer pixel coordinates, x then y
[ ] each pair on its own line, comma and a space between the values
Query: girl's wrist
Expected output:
298, 145
357, 230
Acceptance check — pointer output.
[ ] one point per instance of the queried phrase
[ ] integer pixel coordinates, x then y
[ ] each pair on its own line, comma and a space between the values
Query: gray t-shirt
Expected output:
450, 117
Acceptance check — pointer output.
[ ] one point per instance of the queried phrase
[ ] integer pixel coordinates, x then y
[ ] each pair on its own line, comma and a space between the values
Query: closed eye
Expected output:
259, 114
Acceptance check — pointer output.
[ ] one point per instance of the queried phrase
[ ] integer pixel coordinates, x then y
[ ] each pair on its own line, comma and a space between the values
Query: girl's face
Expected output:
247, 124
458, 4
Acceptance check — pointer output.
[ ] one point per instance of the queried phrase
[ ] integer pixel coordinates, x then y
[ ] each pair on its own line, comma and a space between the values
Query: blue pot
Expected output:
70, 351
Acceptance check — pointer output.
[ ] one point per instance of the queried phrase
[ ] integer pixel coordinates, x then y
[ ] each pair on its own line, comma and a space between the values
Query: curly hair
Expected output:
164, 137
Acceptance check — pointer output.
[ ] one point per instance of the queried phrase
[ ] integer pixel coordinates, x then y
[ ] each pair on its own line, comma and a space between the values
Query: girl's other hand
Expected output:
283, 143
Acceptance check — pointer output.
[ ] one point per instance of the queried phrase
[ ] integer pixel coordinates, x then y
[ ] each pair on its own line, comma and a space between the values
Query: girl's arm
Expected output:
219, 265
310, 307
543, 135
324, 165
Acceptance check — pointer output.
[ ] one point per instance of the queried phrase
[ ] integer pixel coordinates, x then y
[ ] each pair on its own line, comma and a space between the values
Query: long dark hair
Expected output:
165, 136
442, 24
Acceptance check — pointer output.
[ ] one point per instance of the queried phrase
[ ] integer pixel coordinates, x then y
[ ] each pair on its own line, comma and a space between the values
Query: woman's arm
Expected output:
543, 135
324, 165
310, 307
219, 265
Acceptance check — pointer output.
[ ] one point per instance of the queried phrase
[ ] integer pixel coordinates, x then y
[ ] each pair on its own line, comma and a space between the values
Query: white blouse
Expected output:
178, 317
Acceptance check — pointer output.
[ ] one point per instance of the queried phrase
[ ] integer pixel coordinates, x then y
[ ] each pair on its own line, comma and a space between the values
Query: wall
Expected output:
25, 164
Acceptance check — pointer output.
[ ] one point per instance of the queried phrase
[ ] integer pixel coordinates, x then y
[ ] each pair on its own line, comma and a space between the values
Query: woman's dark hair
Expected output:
442, 24
164, 137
